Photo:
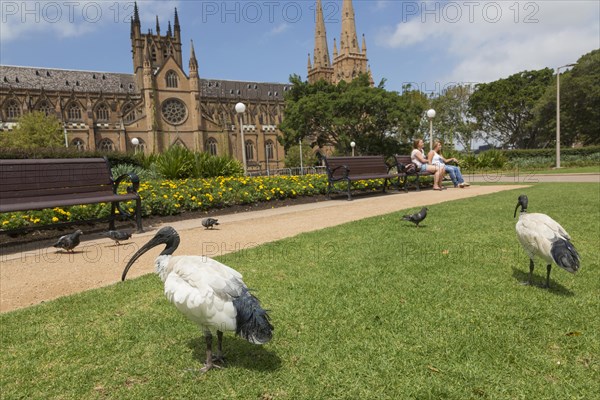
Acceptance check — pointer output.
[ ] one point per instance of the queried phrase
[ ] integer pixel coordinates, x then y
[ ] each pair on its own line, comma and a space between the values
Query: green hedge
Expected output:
115, 158
551, 152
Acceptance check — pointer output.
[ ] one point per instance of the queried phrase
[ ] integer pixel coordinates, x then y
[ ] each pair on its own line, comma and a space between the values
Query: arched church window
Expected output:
106, 145
78, 144
102, 112
128, 113
269, 150
13, 109
45, 107
249, 150
211, 146
172, 79
74, 112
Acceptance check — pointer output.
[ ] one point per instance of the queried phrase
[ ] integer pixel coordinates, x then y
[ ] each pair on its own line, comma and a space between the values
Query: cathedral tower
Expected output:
349, 61
321, 67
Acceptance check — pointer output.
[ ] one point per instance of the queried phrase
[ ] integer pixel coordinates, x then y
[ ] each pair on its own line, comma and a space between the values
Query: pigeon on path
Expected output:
68, 242
209, 222
416, 218
117, 236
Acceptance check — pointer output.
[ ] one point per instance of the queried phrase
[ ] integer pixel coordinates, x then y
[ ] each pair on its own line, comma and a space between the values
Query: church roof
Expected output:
60, 79
36, 78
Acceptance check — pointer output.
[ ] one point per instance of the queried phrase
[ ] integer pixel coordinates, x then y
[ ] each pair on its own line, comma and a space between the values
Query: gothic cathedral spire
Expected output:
321, 68
349, 61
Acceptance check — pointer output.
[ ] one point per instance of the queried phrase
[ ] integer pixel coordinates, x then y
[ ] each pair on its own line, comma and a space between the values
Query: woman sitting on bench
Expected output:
435, 158
417, 156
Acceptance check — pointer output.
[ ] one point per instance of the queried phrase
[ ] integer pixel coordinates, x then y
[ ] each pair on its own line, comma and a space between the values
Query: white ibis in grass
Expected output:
543, 237
69, 242
208, 293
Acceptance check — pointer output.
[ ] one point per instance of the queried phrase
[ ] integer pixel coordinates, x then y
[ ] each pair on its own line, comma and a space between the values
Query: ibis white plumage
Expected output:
543, 237
208, 293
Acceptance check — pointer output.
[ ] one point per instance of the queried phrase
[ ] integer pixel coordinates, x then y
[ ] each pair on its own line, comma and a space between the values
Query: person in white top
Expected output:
435, 158
417, 156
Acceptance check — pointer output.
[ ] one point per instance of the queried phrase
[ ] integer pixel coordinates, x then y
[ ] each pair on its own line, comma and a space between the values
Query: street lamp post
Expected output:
301, 166
558, 113
431, 116
353, 145
240, 108
135, 142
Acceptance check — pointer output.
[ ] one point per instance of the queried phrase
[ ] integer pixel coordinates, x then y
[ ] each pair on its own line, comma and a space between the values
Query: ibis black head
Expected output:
523, 203
166, 235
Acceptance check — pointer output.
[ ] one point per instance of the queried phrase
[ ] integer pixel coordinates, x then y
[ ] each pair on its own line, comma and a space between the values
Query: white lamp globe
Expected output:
135, 141
431, 113
352, 144
240, 108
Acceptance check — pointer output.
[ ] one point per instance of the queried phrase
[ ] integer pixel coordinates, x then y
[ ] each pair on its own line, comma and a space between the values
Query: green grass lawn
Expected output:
374, 309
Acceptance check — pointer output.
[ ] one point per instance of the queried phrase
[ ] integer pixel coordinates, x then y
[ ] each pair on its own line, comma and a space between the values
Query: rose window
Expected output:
174, 111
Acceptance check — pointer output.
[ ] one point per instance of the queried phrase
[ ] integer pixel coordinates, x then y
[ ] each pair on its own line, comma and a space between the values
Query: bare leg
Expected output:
548, 268
530, 273
219, 357
209, 357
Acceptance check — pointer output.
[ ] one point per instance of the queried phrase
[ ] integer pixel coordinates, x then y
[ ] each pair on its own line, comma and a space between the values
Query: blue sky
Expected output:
430, 44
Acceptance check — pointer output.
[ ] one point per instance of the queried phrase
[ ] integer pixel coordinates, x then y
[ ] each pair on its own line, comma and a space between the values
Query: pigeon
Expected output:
209, 222
416, 218
117, 236
69, 242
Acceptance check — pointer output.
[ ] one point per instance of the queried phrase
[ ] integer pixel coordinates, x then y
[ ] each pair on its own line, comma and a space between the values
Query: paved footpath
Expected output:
31, 276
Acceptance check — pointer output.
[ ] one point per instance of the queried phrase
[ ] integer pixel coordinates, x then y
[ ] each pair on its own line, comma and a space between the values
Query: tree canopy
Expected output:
34, 130
376, 119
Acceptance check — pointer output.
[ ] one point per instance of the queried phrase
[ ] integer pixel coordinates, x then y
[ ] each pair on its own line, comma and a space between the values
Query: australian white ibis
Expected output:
209, 293
543, 237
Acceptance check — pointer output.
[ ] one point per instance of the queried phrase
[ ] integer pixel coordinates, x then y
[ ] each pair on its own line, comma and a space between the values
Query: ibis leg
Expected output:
530, 273
548, 269
219, 357
209, 357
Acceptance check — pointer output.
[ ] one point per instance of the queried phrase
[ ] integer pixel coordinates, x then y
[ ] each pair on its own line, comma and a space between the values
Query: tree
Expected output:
326, 114
292, 156
504, 109
580, 101
34, 130
453, 120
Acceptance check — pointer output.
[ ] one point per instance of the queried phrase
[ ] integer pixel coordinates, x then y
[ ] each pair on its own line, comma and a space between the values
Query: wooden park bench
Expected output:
403, 162
36, 184
352, 169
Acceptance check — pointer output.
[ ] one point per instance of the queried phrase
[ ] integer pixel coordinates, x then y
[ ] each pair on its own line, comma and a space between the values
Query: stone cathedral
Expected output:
162, 105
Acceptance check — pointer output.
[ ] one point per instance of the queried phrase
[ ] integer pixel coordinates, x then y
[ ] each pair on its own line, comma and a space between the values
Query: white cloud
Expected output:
495, 39
278, 29
75, 18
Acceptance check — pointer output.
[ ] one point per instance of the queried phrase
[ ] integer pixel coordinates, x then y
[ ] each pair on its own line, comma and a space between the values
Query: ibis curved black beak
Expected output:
166, 235
138, 254
522, 202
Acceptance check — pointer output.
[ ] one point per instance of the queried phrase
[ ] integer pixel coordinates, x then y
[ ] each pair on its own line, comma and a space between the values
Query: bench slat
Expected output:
35, 184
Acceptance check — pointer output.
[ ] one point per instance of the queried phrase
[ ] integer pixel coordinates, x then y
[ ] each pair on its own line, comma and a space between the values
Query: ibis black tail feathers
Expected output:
252, 321
565, 255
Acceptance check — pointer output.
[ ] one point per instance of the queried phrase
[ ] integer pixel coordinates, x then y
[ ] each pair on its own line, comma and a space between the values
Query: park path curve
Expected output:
30, 276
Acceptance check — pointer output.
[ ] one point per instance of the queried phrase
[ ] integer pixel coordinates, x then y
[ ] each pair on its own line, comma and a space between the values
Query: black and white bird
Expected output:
208, 293
209, 222
117, 236
543, 237
68, 242
416, 218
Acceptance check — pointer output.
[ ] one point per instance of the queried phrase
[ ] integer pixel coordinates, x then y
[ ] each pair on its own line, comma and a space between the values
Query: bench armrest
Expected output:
346, 170
135, 183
